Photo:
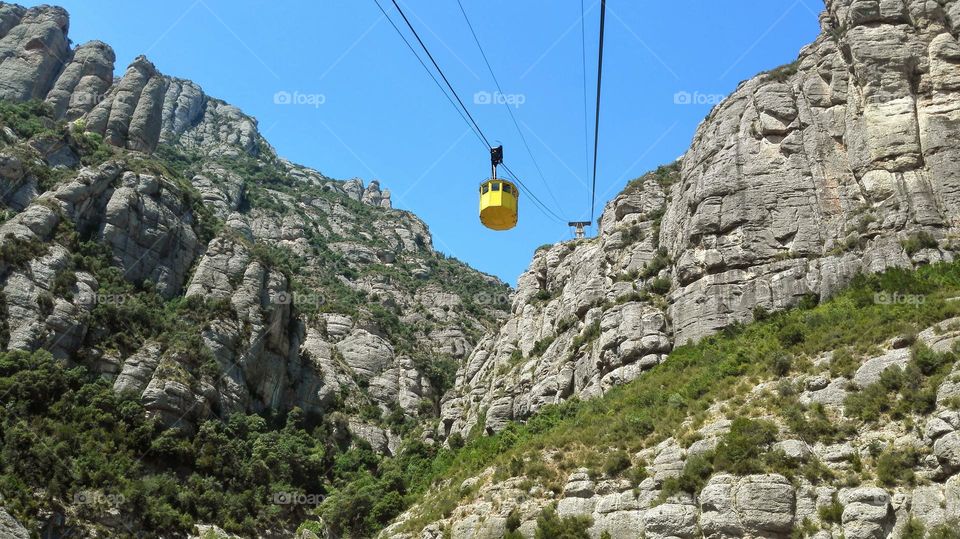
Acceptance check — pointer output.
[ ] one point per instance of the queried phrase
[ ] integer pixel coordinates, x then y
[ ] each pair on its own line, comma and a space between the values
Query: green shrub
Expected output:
812, 424
513, 520
541, 346
895, 466
63, 283
782, 364
660, 285
930, 362
917, 242
843, 363
551, 526
913, 530
658, 263
806, 529
950, 530
741, 449
760, 313
637, 473
616, 463
831, 513
899, 393
589, 334
455, 440
26, 119
542, 296
696, 471
16, 252
791, 334
633, 235
440, 370
869, 403
784, 72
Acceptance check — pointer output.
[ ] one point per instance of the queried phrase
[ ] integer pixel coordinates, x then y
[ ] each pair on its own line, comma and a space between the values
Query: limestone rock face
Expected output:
763, 505
33, 50
582, 322
141, 110
83, 82
846, 152
9, 527
845, 161
346, 332
130, 116
148, 227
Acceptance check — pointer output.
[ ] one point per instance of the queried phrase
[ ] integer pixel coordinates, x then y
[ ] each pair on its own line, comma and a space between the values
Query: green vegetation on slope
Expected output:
65, 435
26, 119
694, 377
65, 431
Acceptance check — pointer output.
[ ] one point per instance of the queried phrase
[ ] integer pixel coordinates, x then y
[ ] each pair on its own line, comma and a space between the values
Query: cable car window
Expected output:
496, 186
486, 187
508, 188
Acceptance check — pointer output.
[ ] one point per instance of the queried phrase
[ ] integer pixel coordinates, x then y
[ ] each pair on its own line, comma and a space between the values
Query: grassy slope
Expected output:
694, 377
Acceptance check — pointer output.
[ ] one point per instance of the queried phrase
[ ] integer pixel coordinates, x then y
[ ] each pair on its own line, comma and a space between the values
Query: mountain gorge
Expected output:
759, 342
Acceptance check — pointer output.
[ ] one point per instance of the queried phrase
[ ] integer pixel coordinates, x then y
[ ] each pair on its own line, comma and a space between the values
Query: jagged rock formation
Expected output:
208, 219
313, 293
797, 181
843, 162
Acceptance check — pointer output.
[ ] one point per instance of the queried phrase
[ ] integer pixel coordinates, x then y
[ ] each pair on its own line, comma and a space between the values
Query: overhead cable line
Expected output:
596, 128
454, 92
533, 196
507, 105
583, 63
427, 69
469, 117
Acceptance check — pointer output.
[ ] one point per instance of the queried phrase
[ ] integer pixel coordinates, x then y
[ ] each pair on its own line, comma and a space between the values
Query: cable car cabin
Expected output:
498, 204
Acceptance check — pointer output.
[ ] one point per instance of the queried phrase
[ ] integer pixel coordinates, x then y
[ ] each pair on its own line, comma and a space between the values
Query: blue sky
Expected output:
370, 111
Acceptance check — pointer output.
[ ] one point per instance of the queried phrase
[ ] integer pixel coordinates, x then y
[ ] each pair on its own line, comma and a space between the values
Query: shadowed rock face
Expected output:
803, 177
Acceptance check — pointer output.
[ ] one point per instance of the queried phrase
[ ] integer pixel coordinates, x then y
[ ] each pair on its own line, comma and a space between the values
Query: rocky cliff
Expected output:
844, 161
150, 234
124, 198
841, 163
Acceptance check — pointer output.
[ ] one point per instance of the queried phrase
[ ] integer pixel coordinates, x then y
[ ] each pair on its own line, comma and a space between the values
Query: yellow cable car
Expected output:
498, 198
498, 204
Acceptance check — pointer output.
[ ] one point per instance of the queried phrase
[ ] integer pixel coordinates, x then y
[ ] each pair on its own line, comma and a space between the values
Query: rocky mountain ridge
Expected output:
326, 298
152, 235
